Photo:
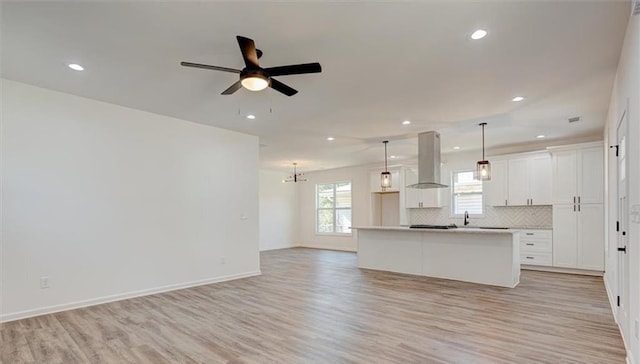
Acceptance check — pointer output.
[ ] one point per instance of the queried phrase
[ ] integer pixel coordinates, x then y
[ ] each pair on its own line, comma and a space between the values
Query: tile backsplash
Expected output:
507, 216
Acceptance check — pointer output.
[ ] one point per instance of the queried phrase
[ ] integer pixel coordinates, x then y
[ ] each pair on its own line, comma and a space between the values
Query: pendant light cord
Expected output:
483, 124
385, 155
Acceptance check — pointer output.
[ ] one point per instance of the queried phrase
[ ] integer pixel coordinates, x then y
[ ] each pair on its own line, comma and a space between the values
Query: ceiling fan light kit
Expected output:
483, 167
255, 78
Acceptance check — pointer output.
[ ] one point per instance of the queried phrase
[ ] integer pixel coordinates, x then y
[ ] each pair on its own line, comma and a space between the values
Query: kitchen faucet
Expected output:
466, 218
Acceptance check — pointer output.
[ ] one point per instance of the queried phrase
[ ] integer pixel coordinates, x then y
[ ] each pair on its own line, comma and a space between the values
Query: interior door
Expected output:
623, 219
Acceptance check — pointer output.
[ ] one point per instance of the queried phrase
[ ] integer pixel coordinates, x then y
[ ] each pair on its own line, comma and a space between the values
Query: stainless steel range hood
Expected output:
428, 161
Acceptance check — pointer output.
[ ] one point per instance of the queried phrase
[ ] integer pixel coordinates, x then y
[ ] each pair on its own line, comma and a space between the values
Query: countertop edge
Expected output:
448, 231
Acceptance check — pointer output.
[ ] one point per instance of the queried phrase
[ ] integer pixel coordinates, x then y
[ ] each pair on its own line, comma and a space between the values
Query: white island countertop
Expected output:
485, 256
458, 230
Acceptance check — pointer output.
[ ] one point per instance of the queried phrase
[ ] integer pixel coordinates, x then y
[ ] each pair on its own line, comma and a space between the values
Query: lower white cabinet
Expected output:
536, 247
578, 236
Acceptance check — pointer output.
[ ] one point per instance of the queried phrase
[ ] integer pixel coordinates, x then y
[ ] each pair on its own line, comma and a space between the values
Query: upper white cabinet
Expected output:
395, 181
578, 176
520, 180
419, 198
496, 187
518, 177
529, 180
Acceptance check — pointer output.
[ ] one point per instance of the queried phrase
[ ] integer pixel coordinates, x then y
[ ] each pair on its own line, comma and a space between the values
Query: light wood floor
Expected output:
314, 306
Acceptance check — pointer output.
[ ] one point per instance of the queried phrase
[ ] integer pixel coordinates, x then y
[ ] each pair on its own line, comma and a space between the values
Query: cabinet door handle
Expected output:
505, 202
578, 199
574, 207
532, 201
574, 199
530, 244
578, 207
529, 233
529, 257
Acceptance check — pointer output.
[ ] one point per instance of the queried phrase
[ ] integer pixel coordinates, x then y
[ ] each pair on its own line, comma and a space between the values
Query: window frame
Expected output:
334, 209
452, 197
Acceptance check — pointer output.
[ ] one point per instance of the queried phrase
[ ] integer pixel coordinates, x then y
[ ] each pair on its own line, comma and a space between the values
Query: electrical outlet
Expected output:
44, 282
223, 261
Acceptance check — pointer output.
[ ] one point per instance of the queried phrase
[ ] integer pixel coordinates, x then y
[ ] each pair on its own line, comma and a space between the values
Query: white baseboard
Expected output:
543, 268
279, 247
118, 297
323, 247
612, 301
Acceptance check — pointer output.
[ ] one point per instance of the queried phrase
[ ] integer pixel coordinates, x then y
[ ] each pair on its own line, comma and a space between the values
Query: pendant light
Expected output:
483, 167
295, 177
385, 177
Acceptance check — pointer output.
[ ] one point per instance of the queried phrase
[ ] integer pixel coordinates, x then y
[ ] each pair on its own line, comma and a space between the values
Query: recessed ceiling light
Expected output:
540, 136
517, 98
76, 67
479, 34
406, 122
393, 157
456, 148
330, 138
251, 116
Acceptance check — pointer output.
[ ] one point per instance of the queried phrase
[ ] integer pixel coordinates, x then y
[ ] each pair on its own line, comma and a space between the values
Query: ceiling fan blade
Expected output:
208, 67
295, 69
233, 88
281, 87
249, 53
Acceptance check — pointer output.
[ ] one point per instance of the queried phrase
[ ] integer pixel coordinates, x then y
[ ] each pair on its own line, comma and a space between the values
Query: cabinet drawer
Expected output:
536, 246
535, 258
536, 235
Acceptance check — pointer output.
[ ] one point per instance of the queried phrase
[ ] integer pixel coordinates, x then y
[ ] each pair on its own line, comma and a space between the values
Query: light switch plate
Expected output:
635, 214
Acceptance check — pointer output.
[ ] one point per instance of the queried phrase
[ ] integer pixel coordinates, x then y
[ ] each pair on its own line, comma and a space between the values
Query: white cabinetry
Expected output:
578, 235
578, 176
419, 198
520, 180
578, 211
529, 181
496, 188
536, 247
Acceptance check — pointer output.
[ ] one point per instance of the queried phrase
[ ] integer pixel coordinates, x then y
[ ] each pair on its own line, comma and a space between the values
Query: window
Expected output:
466, 193
333, 208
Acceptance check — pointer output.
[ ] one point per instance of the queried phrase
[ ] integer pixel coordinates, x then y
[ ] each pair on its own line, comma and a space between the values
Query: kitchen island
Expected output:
477, 255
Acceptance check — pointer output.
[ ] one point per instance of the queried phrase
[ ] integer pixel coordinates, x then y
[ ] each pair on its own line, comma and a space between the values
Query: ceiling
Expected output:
382, 63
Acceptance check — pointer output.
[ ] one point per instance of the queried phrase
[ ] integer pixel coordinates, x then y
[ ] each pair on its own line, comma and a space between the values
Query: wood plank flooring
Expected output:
315, 306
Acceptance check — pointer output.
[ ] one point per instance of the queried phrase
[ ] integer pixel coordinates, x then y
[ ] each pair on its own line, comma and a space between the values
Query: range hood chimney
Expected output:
428, 161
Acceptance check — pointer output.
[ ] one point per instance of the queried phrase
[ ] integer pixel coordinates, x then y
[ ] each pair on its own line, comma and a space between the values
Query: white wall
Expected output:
626, 89
360, 201
278, 211
110, 202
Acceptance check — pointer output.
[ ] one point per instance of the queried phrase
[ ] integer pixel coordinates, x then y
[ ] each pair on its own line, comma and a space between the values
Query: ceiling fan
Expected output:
255, 78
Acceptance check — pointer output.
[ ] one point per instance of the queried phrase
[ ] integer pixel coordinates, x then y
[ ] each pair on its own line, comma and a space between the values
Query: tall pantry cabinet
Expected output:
578, 209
